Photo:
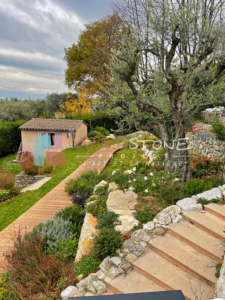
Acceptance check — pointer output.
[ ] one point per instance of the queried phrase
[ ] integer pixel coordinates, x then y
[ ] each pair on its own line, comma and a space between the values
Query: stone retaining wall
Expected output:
207, 146
209, 116
23, 179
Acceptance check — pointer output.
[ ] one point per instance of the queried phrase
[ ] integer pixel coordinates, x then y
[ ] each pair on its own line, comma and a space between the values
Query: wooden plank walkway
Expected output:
51, 203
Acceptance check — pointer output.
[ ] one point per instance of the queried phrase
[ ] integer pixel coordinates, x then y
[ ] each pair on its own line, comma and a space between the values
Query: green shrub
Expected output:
10, 137
106, 243
172, 193
219, 130
85, 183
86, 265
108, 219
4, 195
194, 186
97, 207
14, 191
58, 230
144, 216
67, 250
45, 170
95, 119
95, 135
74, 214
102, 130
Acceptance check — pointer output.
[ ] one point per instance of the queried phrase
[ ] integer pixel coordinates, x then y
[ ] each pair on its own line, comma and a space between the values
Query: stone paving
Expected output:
51, 203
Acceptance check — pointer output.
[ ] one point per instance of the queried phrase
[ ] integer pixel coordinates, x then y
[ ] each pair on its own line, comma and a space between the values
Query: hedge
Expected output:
10, 137
95, 119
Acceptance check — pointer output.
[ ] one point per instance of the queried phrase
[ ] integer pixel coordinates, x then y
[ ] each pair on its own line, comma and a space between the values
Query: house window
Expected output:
52, 136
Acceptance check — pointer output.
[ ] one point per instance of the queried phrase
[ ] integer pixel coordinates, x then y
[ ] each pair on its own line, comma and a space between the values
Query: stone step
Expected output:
216, 209
197, 238
185, 257
171, 277
133, 282
208, 222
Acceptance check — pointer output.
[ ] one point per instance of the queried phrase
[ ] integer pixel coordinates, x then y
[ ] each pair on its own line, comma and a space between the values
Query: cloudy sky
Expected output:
33, 35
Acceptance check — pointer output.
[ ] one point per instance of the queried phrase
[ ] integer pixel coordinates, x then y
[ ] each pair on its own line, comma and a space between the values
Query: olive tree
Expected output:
169, 66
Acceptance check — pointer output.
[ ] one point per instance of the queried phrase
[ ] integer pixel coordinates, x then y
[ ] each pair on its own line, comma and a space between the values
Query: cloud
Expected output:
32, 43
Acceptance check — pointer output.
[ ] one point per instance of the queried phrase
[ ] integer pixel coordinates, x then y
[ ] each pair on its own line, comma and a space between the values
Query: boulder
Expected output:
87, 284
131, 257
116, 261
101, 184
87, 142
140, 236
68, 292
189, 204
137, 250
118, 200
110, 137
127, 220
100, 287
100, 275
168, 215
112, 187
211, 194
149, 226
86, 237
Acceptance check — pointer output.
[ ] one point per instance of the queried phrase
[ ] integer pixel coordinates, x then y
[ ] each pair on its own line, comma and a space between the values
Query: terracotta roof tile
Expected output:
51, 124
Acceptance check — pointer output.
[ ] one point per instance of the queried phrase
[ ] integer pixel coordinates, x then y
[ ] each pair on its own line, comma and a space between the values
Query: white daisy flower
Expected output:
134, 169
151, 174
146, 191
145, 178
129, 180
134, 179
131, 188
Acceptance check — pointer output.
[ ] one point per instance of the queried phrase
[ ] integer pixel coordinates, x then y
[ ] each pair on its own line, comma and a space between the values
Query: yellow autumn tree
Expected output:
81, 102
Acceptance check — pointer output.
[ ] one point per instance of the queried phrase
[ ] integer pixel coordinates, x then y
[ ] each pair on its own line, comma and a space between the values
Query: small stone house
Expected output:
58, 134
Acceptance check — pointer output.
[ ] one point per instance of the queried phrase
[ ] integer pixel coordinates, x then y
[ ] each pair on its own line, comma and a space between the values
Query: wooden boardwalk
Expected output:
51, 203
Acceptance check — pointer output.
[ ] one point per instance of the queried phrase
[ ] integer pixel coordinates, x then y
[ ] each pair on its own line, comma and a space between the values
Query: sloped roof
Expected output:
51, 124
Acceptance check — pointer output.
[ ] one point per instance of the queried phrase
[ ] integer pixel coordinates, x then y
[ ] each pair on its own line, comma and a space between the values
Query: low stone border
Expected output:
22, 179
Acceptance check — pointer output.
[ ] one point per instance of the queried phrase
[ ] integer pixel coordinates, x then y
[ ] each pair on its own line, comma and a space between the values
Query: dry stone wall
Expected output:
210, 116
206, 146
23, 179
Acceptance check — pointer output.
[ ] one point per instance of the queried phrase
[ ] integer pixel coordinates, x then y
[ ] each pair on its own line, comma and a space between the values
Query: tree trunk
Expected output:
177, 160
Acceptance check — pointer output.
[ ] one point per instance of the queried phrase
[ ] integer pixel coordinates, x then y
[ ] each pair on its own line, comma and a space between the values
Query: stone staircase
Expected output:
184, 259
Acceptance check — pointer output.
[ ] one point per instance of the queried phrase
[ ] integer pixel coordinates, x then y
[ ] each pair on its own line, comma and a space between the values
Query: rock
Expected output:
127, 220
189, 204
116, 261
127, 244
112, 187
86, 237
114, 171
149, 226
117, 200
211, 194
100, 275
143, 244
137, 250
131, 257
168, 215
87, 284
87, 142
110, 137
68, 292
140, 236
126, 266
101, 184
100, 287
106, 265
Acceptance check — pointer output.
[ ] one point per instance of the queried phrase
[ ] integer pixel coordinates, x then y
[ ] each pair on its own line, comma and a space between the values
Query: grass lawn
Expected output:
11, 210
7, 164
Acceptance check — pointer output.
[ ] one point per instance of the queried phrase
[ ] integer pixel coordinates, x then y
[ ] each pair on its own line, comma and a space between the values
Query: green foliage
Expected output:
86, 265
104, 131
219, 130
96, 119
144, 216
14, 191
204, 202
172, 193
109, 219
95, 135
97, 207
28, 166
53, 101
84, 183
12, 111
101, 190
218, 268
74, 214
67, 249
4, 195
45, 170
194, 187
10, 137
106, 243
58, 230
